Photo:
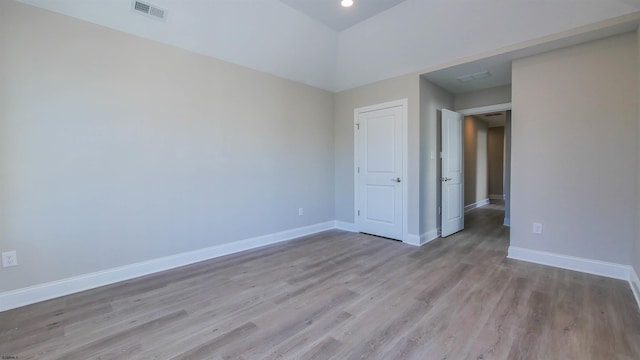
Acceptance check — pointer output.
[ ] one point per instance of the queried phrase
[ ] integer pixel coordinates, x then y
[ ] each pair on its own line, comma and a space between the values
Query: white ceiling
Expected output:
500, 65
412, 36
418, 35
332, 14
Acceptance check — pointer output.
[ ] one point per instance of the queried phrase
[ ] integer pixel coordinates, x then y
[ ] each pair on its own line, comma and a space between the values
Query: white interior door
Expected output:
452, 190
379, 169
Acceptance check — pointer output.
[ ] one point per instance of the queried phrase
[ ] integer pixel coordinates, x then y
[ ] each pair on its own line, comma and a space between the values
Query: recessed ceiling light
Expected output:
346, 3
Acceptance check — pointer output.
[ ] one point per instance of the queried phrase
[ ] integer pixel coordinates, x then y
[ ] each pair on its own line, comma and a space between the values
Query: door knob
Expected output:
396, 180
445, 179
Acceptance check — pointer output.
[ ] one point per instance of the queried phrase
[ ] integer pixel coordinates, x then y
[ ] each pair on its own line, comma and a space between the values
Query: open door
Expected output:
452, 215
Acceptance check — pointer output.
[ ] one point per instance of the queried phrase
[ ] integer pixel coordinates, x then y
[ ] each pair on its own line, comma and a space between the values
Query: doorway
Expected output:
487, 161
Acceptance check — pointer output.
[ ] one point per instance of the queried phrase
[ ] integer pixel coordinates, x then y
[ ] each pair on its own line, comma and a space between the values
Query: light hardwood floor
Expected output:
339, 295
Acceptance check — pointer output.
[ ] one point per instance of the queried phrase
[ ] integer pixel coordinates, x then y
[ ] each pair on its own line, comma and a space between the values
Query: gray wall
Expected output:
476, 174
574, 150
495, 159
492, 96
432, 100
116, 150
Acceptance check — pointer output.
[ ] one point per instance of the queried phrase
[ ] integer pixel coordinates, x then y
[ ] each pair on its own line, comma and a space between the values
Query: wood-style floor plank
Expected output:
340, 295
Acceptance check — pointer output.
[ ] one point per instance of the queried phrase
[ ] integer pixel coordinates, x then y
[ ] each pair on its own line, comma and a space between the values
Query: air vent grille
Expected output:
476, 76
141, 7
149, 10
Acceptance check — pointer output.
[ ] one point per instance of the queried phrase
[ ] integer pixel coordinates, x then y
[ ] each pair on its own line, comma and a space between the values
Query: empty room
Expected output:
288, 179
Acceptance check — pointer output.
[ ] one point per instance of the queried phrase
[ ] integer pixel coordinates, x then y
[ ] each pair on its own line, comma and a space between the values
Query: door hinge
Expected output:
358, 169
358, 126
358, 212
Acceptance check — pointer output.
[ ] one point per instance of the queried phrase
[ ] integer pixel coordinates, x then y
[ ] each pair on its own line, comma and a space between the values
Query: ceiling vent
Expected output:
149, 10
476, 76
493, 114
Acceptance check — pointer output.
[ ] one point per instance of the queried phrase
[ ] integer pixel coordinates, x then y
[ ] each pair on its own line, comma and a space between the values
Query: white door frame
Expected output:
485, 109
405, 155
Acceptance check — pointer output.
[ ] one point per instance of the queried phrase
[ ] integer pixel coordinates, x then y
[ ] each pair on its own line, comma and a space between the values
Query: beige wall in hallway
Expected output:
476, 175
495, 162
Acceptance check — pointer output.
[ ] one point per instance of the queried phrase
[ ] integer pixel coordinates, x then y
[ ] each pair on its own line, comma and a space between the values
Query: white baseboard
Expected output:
634, 281
423, 239
428, 237
497, 196
346, 226
476, 204
412, 239
507, 222
33, 294
589, 266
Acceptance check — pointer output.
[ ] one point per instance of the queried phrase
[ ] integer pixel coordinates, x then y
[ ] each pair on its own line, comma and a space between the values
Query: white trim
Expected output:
429, 236
507, 222
423, 239
405, 161
412, 239
346, 226
476, 204
589, 266
405, 167
634, 281
497, 196
29, 295
485, 109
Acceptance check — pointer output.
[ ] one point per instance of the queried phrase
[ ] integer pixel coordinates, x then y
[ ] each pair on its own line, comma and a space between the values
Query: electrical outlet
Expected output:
9, 258
537, 228
300, 211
